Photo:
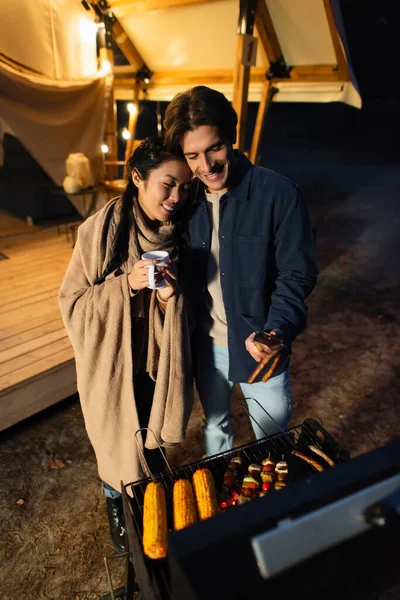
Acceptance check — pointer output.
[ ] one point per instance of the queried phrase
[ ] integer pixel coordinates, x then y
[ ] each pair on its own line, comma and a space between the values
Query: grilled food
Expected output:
155, 521
279, 485
278, 351
229, 492
204, 491
308, 460
282, 470
316, 450
184, 504
268, 465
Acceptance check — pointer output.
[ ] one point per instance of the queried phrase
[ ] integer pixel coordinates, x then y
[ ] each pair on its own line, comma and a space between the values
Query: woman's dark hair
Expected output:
148, 156
198, 106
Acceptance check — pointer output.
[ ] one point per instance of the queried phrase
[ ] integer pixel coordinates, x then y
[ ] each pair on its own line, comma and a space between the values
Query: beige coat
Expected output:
98, 319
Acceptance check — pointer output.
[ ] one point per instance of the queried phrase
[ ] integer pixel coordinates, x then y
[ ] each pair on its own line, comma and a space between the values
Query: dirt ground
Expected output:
345, 373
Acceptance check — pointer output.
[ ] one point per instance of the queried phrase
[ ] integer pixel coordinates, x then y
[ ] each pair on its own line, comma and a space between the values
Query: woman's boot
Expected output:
117, 523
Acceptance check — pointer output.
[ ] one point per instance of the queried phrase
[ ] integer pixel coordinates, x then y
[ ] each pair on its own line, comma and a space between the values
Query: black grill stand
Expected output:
130, 590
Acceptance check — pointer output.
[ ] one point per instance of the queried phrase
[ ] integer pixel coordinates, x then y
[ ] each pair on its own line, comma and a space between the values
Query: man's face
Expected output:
209, 156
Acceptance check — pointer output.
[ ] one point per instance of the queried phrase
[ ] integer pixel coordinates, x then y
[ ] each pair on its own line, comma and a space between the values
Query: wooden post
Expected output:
265, 101
126, 46
240, 92
270, 43
132, 124
337, 44
267, 33
106, 56
246, 51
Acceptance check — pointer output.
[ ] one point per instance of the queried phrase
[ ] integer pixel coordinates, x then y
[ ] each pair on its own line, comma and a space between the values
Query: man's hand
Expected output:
169, 274
260, 351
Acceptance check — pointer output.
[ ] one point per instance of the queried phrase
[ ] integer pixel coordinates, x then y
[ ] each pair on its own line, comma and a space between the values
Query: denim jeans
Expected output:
110, 492
215, 390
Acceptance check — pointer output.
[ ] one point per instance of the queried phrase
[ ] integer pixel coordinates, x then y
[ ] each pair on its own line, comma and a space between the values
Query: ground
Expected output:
345, 367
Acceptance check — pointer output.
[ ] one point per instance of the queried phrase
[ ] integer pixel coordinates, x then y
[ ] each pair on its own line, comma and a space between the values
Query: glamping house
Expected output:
59, 87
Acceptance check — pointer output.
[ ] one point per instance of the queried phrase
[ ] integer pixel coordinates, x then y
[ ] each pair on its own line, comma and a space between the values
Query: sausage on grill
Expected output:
308, 460
316, 450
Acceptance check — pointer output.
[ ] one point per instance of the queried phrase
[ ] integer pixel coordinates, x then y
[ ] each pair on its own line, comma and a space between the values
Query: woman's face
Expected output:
164, 191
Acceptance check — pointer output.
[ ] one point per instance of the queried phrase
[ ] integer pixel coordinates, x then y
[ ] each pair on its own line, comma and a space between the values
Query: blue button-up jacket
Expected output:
267, 258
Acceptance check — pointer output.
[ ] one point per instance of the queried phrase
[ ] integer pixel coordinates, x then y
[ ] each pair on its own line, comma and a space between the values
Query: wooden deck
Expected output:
37, 367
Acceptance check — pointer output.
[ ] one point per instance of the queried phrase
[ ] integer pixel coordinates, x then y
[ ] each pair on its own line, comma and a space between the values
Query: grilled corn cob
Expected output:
155, 521
204, 490
184, 504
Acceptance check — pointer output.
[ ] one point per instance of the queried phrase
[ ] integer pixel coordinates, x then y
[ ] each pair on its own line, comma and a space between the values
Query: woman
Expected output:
131, 343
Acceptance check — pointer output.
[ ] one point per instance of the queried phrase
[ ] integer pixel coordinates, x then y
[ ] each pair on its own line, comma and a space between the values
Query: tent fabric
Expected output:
51, 95
54, 118
56, 38
56, 105
201, 37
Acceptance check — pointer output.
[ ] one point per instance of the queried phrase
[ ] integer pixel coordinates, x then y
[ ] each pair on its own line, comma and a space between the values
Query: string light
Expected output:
104, 148
131, 108
125, 134
105, 67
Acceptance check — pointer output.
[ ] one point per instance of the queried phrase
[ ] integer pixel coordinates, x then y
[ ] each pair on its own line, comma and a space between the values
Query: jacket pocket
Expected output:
251, 260
255, 322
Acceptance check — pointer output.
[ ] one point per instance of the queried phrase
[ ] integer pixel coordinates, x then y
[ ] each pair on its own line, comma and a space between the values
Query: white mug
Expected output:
161, 256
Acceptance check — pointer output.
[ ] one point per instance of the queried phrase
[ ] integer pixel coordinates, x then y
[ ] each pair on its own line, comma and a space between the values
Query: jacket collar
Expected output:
240, 181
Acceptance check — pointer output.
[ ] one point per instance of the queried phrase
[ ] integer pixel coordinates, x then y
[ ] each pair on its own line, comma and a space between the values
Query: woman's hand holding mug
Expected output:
156, 271
138, 278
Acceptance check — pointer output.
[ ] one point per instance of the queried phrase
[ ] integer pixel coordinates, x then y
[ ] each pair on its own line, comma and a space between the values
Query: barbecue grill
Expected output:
316, 536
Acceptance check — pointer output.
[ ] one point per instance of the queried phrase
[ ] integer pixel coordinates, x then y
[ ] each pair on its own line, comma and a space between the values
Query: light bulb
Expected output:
131, 108
105, 67
104, 148
125, 134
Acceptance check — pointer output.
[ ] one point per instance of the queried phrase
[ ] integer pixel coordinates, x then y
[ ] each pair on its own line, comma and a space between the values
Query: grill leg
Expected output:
130, 591
119, 594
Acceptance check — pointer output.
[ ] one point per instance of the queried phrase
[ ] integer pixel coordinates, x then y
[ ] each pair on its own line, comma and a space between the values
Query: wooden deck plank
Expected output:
10, 366
37, 366
32, 333
30, 371
19, 328
10, 225
28, 346
28, 298
40, 308
46, 389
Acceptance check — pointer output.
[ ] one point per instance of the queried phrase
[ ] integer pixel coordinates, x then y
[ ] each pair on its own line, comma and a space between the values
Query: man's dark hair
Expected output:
198, 106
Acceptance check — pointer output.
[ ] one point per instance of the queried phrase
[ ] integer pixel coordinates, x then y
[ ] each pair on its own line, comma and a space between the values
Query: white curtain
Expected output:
53, 118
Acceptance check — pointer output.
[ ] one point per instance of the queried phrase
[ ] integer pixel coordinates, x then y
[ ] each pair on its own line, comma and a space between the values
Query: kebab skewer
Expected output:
268, 476
282, 472
229, 493
251, 484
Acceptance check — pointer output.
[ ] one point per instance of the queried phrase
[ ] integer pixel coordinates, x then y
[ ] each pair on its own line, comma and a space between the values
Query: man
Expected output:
253, 265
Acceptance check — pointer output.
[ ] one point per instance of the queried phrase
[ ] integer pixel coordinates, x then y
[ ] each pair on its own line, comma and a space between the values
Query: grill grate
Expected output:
153, 576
